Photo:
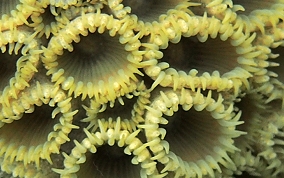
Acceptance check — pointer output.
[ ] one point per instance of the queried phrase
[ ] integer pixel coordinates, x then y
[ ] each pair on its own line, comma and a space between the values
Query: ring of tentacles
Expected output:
128, 88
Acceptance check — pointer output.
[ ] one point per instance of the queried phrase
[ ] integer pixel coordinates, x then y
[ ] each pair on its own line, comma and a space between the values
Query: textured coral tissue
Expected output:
141, 88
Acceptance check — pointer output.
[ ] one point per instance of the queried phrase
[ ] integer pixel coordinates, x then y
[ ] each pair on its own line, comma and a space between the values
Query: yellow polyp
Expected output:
79, 88
213, 163
11, 48
160, 78
55, 112
244, 50
21, 153
246, 61
76, 153
252, 55
224, 36
200, 107
9, 151
196, 169
57, 75
131, 50
62, 138
205, 168
214, 3
93, 138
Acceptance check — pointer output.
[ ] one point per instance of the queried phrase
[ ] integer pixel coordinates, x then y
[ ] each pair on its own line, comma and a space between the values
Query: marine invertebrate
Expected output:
200, 67
39, 107
19, 59
19, 169
65, 3
133, 105
256, 16
92, 82
270, 77
255, 140
250, 16
178, 89
172, 115
15, 13
116, 144
151, 11
46, 22
49, 19
272, 139
149, 21
275, 70
211, 7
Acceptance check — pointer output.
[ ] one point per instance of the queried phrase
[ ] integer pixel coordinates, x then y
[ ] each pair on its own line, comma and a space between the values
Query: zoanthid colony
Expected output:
140, 88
